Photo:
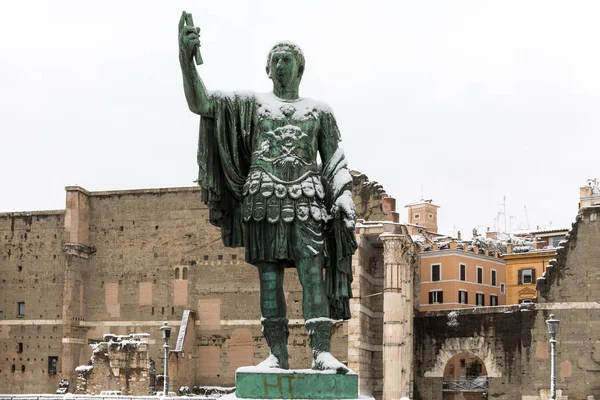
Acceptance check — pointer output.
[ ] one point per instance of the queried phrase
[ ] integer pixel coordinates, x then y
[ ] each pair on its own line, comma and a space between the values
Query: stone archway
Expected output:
465, 378
477, 346
463, 365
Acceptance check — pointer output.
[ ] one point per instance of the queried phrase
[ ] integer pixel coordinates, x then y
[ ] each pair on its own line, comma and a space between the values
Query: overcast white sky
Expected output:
469, 100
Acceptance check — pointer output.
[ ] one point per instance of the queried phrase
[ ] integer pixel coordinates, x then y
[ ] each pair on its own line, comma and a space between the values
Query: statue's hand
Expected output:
189, 37
344, 208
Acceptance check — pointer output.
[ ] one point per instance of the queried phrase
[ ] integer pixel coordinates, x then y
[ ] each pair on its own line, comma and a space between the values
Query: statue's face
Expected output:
284, 68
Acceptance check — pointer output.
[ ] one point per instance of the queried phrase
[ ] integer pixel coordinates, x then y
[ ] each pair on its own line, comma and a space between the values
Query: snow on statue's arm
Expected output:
336, 176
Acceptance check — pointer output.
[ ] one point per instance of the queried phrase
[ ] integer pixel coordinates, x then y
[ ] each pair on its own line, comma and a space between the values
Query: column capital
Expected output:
79, 250
391, 236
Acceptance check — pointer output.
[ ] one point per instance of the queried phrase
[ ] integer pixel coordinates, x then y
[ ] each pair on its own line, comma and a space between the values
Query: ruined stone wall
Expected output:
31, 265
371, 201
513, 341
141, 240
117, 363
501, 339
123, 262
570, 289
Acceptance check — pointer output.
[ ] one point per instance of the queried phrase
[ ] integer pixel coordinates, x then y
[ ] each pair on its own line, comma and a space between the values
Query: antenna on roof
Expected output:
526, 216
504, 213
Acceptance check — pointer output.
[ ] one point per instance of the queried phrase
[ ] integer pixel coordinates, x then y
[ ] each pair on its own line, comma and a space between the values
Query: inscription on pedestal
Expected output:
299, 384
282, 388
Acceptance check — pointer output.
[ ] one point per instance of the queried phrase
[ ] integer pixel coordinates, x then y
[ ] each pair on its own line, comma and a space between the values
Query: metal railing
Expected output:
476, 384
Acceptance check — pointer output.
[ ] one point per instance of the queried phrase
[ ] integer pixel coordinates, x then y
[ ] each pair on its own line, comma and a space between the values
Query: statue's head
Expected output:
285, 64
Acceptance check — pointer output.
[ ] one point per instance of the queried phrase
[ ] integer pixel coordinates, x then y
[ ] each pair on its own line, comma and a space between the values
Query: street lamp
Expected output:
553, 331
166, 334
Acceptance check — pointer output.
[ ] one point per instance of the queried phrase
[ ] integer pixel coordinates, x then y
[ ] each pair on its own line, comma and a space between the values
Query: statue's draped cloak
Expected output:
224, 157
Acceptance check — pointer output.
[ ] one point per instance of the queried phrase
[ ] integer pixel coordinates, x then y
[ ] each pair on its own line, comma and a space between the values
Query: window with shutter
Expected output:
520, 277
436, 297
527, 276
480, 299
493, 300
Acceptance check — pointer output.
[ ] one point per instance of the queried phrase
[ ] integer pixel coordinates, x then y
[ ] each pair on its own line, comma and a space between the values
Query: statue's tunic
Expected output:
260, 178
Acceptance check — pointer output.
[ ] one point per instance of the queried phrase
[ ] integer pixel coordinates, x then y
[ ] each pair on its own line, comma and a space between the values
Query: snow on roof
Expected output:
420, 202
418, 239
537, 231
549, 231
416, 226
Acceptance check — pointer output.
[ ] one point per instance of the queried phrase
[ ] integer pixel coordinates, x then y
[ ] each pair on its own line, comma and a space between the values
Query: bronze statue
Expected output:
260, 178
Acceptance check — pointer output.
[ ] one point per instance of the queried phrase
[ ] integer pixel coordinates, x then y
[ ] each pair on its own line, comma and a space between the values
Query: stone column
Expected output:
398, 251
77, 251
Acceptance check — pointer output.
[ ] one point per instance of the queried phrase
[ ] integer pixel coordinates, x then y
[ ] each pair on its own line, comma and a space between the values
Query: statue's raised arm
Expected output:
189, 43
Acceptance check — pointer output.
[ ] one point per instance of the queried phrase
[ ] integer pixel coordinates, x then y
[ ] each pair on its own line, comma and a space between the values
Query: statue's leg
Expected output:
273, 310
315, 307
314, 297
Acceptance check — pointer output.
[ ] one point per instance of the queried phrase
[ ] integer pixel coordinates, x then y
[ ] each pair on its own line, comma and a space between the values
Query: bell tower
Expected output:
424, 213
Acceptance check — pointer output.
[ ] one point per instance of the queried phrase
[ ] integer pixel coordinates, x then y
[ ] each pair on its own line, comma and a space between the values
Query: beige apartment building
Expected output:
458, 278
453, 274
523, 269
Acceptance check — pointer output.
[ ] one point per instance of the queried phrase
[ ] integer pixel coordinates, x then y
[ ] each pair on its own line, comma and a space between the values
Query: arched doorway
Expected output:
465, 378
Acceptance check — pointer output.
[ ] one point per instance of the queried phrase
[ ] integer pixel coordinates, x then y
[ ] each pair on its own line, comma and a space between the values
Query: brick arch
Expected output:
474, 345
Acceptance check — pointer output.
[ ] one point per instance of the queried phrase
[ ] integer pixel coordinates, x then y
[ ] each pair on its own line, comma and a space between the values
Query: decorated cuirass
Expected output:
284, 180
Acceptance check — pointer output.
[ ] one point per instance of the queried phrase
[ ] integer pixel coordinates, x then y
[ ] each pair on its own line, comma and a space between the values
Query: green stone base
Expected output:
254, 383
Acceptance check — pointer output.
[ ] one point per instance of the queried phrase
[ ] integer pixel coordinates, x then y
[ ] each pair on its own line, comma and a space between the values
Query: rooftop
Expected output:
422, 202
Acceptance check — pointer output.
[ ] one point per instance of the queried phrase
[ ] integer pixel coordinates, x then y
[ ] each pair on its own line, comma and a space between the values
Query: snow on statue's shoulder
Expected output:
270, 106
231, 95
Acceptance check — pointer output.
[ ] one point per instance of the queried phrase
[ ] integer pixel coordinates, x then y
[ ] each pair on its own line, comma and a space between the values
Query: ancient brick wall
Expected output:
498, 338
513, 341
156, 256
371, 201
570, 289
122, 262
31, 272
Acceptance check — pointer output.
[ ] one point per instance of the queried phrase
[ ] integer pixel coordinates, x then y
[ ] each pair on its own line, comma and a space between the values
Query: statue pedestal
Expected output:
272, 383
